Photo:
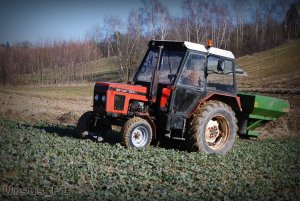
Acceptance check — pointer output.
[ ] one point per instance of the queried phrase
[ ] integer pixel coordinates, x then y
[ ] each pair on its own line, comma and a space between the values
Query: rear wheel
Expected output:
137, 133
212, 129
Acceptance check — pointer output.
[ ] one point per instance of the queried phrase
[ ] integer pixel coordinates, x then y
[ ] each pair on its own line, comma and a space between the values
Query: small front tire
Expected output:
85, 125
137, 133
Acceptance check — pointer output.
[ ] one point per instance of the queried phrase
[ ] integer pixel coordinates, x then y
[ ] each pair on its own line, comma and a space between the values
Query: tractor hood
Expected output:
115, 98
123, 88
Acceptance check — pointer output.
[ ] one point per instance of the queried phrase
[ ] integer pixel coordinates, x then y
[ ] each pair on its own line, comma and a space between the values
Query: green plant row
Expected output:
46, 161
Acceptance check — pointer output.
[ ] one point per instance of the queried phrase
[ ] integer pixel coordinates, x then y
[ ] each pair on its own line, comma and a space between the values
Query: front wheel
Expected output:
212, 129
137, 133
85, 125
88, 126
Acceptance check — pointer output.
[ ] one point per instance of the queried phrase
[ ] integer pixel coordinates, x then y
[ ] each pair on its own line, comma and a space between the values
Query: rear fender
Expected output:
232, 100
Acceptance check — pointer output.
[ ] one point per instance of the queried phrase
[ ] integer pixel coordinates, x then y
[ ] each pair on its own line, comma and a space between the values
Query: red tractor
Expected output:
182, 91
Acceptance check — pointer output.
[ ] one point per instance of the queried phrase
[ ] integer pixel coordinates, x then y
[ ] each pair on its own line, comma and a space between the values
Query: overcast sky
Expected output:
42, 20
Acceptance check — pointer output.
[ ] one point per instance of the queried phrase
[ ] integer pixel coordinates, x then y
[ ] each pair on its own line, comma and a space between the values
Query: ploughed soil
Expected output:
31, 108
34, 109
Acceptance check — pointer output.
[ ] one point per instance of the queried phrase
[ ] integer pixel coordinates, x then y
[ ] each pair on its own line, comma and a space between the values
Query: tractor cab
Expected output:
175, 82
179, 74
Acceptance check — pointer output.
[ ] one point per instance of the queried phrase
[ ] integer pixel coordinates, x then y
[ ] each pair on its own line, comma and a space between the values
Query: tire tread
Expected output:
197, 120
128, 126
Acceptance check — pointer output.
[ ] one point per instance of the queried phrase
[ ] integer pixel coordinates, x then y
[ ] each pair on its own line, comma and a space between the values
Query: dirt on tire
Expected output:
196, 126
129, 127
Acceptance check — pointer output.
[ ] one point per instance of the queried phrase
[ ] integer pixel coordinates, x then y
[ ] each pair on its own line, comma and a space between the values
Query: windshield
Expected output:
169, 65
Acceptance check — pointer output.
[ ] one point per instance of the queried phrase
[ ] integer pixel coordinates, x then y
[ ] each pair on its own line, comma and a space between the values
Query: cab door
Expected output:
189, 86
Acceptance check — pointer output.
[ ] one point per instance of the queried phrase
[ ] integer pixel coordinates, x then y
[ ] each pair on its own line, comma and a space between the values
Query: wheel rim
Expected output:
139, 136
217, 132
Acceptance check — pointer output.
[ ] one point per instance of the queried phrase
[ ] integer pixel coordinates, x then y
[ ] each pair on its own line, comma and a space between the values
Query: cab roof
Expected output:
178, 45
221, 52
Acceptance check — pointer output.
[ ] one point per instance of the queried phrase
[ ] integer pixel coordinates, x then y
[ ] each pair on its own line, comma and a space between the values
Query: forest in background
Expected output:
243, 27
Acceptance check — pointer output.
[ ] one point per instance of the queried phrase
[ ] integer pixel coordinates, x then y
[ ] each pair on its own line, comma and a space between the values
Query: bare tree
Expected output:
95, 34
240, 21
125, 46
197, 19
220, 24
156, 16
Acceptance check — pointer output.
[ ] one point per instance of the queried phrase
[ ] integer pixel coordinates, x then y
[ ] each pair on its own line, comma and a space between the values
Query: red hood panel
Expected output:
122, 86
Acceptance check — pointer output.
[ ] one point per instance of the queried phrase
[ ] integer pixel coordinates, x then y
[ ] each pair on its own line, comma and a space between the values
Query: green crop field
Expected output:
45, 161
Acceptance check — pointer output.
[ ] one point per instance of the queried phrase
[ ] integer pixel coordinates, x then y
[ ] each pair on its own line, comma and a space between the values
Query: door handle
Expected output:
198, 90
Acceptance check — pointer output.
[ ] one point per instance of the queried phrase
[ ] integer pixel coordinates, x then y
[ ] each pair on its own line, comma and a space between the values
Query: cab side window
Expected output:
220, 74
193, 71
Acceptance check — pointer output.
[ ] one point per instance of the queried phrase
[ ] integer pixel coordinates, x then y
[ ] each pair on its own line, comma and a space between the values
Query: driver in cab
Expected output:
192, 73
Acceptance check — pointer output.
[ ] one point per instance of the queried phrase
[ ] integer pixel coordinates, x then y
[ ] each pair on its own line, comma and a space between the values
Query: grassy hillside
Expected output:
45, 162
97, 70
105, 69
278, 68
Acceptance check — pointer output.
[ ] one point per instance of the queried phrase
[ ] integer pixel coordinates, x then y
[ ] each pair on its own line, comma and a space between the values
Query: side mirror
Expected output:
239, 71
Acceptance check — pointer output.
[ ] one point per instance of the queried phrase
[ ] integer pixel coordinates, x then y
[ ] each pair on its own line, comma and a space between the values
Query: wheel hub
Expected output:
217, 132
139, 136
212, 131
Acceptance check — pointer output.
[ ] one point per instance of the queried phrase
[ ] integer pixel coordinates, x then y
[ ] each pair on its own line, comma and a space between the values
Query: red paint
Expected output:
136, 88
129, 93
166, 92
128, 97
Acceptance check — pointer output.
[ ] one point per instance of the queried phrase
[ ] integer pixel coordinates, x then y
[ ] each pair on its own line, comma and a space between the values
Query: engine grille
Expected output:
119, 102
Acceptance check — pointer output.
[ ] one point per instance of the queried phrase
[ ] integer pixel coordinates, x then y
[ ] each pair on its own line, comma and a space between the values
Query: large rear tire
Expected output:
137, 133
212, 129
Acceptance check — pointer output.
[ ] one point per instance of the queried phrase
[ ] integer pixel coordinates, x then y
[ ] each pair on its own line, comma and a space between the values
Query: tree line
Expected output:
50, 63
243, 27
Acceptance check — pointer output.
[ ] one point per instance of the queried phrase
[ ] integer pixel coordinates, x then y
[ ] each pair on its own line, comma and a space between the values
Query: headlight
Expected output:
96, 97
103, 98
